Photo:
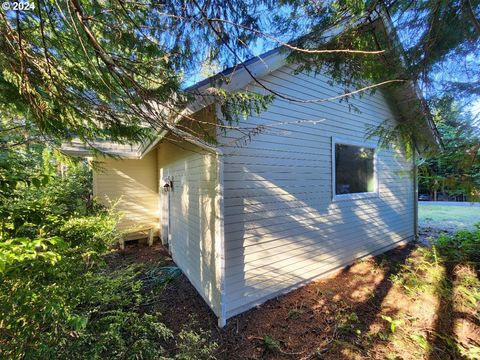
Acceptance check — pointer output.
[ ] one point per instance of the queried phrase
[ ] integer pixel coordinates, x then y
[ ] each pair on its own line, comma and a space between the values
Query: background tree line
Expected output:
453, 173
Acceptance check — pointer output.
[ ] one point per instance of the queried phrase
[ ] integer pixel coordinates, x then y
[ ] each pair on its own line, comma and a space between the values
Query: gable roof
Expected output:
238, 79
240, 75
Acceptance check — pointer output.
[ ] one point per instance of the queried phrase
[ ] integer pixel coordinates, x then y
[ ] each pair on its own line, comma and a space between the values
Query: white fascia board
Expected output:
240, 77
78, 148
237, 80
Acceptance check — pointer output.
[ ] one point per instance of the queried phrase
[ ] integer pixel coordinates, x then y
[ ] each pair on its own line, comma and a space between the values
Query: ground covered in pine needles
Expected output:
414, 302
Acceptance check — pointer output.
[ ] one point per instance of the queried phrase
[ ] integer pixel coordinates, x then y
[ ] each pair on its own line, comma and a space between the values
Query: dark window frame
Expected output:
358, 195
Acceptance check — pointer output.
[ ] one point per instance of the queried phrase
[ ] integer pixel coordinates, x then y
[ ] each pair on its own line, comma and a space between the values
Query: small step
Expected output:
146, 233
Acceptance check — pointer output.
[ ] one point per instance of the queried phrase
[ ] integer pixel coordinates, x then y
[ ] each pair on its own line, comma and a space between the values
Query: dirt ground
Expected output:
139, 252
345, 316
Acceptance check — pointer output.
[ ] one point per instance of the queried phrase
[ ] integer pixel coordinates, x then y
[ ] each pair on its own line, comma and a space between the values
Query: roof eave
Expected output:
79, 149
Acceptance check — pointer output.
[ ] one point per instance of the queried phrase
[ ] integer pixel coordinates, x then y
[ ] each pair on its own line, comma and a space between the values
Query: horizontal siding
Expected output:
192, 214
273, 283
281, 226
132, 186
272, 243
293, 220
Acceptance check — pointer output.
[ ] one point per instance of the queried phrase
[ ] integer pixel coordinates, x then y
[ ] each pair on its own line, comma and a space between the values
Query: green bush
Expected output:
463, 246
20, 253
35, 202
59, 299
120, 334
193, 345
95, 232
44, 284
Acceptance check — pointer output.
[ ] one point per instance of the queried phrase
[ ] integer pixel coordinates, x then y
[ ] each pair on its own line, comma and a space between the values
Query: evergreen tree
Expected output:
118, 70
456, 170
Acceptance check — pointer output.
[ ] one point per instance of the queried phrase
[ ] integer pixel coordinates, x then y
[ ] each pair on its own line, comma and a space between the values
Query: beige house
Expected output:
248, 221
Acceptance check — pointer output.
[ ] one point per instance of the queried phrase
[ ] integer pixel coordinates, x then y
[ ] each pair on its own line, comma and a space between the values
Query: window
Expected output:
354, 170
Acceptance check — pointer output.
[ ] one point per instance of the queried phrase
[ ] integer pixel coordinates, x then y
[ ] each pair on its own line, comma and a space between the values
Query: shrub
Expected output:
122, 334
95, 232
44, 284
20, 253
463, 246
58, 297
193, 345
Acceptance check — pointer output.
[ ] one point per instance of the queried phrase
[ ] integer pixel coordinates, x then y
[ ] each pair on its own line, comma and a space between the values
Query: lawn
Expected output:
448, 217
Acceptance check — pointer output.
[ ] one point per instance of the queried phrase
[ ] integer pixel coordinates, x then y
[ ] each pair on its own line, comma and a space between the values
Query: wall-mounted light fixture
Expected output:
167, 183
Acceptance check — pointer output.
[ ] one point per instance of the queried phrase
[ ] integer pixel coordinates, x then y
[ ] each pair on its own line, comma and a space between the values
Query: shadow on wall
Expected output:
209, 277
285, 232
193, 216
133, 184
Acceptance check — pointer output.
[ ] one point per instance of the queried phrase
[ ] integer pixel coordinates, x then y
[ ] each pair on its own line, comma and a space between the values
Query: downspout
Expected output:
220, 237
415, 194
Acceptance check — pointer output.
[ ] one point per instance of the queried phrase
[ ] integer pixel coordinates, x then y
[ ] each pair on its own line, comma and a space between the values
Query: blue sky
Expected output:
448, 71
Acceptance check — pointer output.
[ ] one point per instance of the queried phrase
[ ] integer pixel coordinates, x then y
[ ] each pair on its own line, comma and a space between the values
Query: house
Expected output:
249, 220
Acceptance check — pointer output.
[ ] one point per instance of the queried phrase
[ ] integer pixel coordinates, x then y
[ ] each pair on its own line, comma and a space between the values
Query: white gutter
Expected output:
238, 79
415, 195
78, 148
160, 136
220, 239
190, 109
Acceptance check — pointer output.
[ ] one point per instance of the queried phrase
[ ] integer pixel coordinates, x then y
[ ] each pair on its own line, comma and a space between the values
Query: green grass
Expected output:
447, 217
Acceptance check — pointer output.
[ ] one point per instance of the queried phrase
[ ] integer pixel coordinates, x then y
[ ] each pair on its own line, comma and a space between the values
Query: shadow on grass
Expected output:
372, 307
443, 339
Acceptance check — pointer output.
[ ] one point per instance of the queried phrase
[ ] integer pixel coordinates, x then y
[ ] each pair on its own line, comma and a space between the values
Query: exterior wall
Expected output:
193, 216
282, 228
134, 185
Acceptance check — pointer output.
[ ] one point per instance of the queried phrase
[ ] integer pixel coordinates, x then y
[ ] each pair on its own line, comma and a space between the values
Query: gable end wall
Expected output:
282, 228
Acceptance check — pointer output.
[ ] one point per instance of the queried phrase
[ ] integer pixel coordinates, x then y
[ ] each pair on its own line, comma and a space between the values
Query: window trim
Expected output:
354, 196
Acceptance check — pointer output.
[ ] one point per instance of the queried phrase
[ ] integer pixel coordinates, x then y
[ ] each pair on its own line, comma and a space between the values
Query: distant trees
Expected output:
456, 170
